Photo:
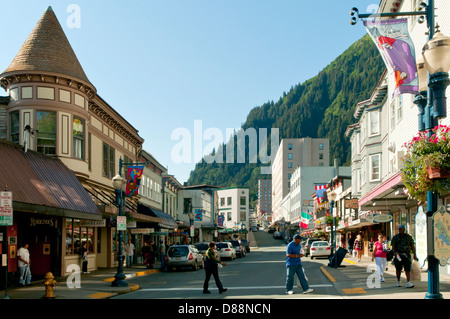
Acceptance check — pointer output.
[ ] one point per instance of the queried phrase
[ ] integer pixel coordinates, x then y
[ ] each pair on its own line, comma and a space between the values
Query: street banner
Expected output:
304, 221
397, 49
321, 191
134, 176
221, 219
198, 215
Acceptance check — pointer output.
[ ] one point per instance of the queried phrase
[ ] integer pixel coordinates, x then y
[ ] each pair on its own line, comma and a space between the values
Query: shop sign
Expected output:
93, 223
144, 231
351, 203
44, 221
379, 218
132, 224
441, 226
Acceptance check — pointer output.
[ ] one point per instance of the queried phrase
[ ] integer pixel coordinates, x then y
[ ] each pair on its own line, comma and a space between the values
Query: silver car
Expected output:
226, 250
184, 256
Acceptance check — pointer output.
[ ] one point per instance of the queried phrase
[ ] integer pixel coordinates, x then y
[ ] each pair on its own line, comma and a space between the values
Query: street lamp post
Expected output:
431, 101
436, 58
191, 228
119, 278
332, 197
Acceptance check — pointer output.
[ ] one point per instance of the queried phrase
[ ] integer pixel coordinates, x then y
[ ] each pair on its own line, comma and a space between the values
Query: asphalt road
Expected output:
260, 274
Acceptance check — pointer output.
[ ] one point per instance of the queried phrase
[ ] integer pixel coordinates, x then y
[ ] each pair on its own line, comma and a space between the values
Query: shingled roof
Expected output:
47, 50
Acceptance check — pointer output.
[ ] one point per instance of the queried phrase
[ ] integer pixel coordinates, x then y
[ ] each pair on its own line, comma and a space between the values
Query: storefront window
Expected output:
77, 235
69, 237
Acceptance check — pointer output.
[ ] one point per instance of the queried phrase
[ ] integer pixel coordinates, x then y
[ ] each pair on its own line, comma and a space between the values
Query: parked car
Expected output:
308, 243
320, 248
246, 243
254, 228
184, 256
240, 248
277, 235
226, 250
271, 230
202, 248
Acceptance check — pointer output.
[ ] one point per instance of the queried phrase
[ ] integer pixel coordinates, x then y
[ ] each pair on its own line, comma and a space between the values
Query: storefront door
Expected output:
40, 232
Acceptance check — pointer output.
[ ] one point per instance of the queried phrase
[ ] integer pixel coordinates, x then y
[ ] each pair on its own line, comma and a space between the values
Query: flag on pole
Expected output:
321, 193
397, 49
134, 176
304, 221
198, 215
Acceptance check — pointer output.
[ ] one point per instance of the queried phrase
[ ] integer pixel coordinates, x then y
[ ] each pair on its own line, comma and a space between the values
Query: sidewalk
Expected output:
95, 285
355, 279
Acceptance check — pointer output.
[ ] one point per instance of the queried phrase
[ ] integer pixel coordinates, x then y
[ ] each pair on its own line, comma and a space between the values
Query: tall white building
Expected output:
293, 153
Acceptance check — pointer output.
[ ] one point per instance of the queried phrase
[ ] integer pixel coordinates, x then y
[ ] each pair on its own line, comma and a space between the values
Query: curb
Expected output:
327, 274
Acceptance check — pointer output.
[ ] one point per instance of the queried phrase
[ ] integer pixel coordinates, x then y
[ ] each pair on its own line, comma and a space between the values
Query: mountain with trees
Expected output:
321, 107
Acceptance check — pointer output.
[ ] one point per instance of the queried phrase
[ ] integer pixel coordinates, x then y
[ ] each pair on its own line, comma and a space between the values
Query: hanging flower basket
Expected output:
426, 165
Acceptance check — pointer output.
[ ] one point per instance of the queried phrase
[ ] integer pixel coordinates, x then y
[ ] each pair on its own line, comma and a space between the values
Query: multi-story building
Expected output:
196, 214
234, 207
384, 124
264, 197
55, 110
291, 154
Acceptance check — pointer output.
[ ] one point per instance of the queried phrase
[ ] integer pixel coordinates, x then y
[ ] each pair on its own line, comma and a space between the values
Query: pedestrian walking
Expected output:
351, 242
163, 254
403, 246
379, 255
24, 261
294, 266
212, 268
359, 246
84, 259
129, 248
146, 254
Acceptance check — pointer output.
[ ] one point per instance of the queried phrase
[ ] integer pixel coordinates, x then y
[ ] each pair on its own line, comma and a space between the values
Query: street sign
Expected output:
6, 210
121, 222
441, 225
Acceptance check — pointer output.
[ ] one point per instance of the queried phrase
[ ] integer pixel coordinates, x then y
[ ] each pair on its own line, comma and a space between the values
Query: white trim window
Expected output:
375, 167
374, 123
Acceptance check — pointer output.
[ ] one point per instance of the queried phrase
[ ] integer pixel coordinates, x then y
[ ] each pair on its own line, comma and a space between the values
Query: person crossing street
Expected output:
294, 266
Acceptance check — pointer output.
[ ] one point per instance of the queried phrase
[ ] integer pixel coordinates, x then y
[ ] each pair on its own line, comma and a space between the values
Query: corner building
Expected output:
54, 109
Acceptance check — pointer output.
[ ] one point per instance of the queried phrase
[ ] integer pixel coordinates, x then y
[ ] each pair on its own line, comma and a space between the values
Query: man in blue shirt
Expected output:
294, 266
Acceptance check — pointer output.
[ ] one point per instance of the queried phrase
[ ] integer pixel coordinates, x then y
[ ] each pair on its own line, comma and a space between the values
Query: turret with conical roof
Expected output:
47, 51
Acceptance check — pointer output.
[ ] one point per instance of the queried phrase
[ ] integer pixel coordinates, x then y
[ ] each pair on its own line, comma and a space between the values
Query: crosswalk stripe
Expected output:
230, 288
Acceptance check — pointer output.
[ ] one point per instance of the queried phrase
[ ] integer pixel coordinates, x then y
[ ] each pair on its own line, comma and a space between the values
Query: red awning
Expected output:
378, 190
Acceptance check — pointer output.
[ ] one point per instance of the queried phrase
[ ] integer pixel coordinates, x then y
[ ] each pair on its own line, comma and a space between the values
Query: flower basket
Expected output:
426, 165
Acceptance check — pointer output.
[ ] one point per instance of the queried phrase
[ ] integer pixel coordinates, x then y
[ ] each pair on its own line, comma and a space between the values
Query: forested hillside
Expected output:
320, 107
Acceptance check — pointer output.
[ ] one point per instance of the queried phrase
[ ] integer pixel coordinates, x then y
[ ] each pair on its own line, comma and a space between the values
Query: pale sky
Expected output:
165, 64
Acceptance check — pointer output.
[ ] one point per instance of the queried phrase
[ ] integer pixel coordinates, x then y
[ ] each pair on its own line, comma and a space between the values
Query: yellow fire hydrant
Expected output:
49, 284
